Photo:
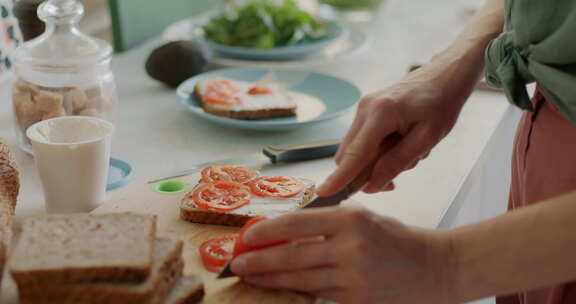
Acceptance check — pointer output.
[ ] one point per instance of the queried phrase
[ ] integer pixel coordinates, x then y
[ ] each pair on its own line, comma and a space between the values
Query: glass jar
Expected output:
63, 72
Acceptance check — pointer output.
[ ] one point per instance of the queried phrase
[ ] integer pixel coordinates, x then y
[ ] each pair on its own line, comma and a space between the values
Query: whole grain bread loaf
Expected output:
166, 271
77, 248
9, 176
9, 189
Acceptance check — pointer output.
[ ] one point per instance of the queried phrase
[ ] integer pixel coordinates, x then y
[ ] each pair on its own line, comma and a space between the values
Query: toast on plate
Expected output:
243, 100
232, 195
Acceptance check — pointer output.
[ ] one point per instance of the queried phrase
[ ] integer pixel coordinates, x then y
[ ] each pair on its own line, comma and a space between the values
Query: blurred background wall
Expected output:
97, 19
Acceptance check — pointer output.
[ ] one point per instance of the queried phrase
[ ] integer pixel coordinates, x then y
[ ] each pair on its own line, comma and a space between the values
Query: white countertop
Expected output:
156, 134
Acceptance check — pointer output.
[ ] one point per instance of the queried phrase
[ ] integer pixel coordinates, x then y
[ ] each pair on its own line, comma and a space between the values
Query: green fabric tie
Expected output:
538, 44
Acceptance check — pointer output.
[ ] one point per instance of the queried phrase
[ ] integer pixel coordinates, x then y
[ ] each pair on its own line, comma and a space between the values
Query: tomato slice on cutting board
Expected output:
216, 173
240, 247
277, 186
215, 253
221, 196
222, 91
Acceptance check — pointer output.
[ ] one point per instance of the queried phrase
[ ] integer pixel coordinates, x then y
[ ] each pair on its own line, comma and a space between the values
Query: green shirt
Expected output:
538, 44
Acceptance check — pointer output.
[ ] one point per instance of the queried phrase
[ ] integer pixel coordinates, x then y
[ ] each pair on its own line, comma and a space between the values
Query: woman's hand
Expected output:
349, 256
422, 109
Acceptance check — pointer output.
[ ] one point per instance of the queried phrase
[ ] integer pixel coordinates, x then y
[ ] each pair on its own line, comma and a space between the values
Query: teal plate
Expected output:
119, 174
319, 97
336, 32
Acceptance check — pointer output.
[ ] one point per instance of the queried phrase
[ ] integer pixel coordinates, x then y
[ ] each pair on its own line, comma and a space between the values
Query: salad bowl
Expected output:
336, 32
267, 30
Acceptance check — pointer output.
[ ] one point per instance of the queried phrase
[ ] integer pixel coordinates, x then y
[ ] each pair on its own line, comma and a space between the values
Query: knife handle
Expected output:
364, 177
309, 151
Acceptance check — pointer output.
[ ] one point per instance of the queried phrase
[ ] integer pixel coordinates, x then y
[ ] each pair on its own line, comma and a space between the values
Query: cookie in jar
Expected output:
33, 103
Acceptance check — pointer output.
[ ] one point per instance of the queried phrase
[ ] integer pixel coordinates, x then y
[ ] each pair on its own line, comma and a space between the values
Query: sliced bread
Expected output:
9, 188
84, 248
167, 269
258, 207
188, 290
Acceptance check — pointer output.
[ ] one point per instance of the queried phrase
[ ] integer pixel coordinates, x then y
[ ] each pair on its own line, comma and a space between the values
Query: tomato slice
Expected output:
277, 186
221, 196
260, 89
219, 98
222, 91
215, 253
240, 247
216, 173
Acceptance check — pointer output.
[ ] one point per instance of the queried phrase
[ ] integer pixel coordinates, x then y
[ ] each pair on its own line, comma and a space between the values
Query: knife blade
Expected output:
270, 154
335, 199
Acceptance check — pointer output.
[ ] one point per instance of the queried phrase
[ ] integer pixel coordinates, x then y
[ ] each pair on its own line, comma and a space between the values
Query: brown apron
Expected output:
543, 166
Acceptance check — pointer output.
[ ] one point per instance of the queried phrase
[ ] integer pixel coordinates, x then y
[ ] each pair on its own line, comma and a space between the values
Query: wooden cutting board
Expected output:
140, 197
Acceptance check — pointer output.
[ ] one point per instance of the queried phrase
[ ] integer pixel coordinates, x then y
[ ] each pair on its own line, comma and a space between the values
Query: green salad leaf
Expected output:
264, 24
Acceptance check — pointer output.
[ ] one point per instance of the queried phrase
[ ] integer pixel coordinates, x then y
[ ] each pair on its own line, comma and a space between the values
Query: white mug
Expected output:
72, 156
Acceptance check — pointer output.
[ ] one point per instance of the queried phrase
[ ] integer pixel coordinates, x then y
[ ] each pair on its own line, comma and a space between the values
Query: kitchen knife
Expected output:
270, 154
335, 199
357, 183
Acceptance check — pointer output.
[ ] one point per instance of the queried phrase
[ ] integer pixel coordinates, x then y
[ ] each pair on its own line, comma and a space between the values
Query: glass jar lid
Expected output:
63, 45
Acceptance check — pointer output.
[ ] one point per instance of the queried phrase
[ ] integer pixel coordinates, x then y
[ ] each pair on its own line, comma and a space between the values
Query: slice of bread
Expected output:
189, 290
272, 110
264, 206
166, 271
84, 248
9, 188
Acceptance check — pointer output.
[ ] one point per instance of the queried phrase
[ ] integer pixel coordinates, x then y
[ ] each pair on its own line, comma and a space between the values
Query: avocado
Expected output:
176, 61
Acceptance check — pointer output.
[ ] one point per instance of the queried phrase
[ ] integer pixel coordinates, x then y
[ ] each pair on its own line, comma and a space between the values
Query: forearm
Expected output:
461, 64
522, 250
